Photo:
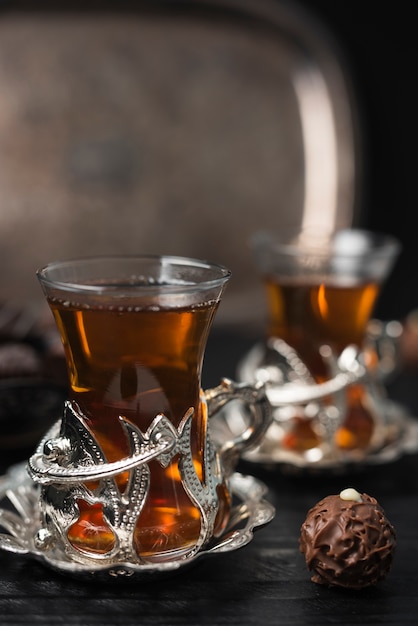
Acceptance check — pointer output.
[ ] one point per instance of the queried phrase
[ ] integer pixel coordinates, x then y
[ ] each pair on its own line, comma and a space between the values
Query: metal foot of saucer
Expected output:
19, 524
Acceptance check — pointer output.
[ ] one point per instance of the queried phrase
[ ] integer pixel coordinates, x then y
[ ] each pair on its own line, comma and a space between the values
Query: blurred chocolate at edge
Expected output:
33, 378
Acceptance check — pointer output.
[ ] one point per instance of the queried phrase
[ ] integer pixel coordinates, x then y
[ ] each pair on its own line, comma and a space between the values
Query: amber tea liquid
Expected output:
138, 363
309, 315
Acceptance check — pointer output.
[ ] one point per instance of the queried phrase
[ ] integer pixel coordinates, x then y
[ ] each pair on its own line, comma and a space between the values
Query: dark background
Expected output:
378, 42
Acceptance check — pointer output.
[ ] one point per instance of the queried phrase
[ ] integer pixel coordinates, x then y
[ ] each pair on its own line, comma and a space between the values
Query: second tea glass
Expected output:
319, 362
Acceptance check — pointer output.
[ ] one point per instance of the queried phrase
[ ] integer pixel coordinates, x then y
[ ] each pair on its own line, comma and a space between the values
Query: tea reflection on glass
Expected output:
320, 299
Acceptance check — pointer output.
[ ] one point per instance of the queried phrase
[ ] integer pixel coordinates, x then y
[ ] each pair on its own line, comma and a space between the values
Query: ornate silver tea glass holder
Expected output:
39, 497
19, 520
291, 389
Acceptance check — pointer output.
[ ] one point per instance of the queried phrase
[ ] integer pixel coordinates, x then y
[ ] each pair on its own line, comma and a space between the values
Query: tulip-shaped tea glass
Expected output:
318, 359
129, 478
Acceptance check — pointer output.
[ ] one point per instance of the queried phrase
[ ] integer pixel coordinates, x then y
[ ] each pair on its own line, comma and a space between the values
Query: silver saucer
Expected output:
401, 439
288, 385
19, 521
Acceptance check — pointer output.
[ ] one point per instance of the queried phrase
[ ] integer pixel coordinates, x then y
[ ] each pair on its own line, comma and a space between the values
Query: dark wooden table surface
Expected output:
266, 582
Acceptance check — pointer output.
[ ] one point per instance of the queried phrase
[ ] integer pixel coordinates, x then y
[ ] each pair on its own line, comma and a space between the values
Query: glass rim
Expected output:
189, 284
382, 243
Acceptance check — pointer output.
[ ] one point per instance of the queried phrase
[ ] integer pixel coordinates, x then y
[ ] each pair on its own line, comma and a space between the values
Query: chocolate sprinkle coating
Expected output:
347, 543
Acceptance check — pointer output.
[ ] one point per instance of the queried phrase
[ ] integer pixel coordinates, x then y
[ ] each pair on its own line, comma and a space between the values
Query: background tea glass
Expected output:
320, 297
132, 475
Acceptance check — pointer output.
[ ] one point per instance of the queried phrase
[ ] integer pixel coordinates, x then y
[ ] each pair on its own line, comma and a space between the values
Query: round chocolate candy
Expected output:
348, 541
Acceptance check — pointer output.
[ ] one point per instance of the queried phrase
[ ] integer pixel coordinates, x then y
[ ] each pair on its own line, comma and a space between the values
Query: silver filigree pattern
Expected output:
290, 386
20, 522
69, 470
66, 464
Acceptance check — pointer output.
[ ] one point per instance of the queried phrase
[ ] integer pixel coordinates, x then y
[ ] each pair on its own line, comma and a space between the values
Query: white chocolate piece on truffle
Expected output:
350, 494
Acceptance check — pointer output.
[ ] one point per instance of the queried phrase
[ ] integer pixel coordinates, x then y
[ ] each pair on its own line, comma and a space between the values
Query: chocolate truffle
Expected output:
33, 379
348, 541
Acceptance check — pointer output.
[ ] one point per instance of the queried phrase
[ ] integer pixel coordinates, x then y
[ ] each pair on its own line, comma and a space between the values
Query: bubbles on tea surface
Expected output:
137, 302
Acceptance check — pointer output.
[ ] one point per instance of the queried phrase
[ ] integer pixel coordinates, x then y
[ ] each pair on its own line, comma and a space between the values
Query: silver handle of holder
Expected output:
255, 399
